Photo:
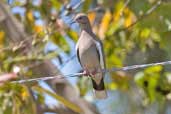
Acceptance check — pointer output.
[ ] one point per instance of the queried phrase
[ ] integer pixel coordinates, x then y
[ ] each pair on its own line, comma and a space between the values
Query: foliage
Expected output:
132, 31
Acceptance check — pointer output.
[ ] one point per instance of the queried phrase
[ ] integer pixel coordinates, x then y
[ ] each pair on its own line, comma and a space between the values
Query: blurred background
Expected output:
37, 39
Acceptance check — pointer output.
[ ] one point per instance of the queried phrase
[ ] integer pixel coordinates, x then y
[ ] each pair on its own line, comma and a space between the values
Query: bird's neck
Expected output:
86, 27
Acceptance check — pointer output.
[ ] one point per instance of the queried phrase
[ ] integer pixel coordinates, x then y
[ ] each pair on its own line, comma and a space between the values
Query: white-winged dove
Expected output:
91, 55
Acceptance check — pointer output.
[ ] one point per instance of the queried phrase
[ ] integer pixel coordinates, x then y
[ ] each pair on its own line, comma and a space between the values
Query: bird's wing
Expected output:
101, 54
78, 56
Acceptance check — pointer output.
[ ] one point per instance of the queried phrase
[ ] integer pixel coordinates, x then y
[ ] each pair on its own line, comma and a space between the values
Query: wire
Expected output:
114, 69
138, 66
48, 78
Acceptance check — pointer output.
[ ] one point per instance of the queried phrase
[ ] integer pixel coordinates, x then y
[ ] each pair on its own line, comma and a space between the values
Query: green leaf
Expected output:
56, 4
154, 69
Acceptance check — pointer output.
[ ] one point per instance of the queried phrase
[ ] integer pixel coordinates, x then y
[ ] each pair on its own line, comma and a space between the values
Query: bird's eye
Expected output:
80, 18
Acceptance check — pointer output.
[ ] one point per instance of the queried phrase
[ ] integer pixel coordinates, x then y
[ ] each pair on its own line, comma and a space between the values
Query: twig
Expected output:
152, 9
125, 5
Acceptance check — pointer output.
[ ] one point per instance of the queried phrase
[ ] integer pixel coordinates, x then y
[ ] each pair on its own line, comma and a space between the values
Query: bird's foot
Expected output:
94, 72
86, 73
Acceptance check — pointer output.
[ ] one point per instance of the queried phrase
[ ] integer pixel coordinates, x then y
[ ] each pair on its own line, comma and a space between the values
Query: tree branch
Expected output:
151, 10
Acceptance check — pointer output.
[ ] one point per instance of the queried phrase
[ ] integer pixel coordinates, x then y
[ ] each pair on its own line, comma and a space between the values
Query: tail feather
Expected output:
102, 94
99, 89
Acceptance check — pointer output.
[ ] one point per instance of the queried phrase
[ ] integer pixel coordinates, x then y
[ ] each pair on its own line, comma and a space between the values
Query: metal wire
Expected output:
114, 69
48, 78
132, 67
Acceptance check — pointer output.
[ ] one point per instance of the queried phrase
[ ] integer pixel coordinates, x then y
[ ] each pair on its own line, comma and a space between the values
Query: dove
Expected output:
91, 55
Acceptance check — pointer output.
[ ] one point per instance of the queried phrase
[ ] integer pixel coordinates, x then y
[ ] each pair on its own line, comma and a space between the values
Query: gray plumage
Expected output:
91, 56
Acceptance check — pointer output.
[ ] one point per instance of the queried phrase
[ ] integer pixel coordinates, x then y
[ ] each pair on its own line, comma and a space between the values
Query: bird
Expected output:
90, 55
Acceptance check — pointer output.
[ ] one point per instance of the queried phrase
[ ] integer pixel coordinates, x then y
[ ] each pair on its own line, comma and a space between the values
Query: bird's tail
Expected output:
99, 89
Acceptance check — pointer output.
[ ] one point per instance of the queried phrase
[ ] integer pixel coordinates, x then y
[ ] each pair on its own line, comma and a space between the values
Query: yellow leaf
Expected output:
145, 33
129, 17
73, 35
112, 86
123, 12
118, 9
67, 103
2, 34
30, 16
24, 94
104, 24
92, 16
38, 28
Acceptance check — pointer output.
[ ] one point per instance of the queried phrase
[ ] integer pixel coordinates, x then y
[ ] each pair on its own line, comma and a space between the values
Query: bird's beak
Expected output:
72, 21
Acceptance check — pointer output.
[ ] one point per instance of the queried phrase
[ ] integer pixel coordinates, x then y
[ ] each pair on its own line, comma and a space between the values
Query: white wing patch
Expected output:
76, 47
99, 48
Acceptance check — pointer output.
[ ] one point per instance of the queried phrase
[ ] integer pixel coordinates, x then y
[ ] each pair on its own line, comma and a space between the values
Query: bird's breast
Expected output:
89, 57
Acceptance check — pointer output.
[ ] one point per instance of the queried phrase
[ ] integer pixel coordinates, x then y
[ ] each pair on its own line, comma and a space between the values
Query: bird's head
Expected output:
81, 18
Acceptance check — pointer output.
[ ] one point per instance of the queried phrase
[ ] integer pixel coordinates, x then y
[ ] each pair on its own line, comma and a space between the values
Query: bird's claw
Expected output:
87, 73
